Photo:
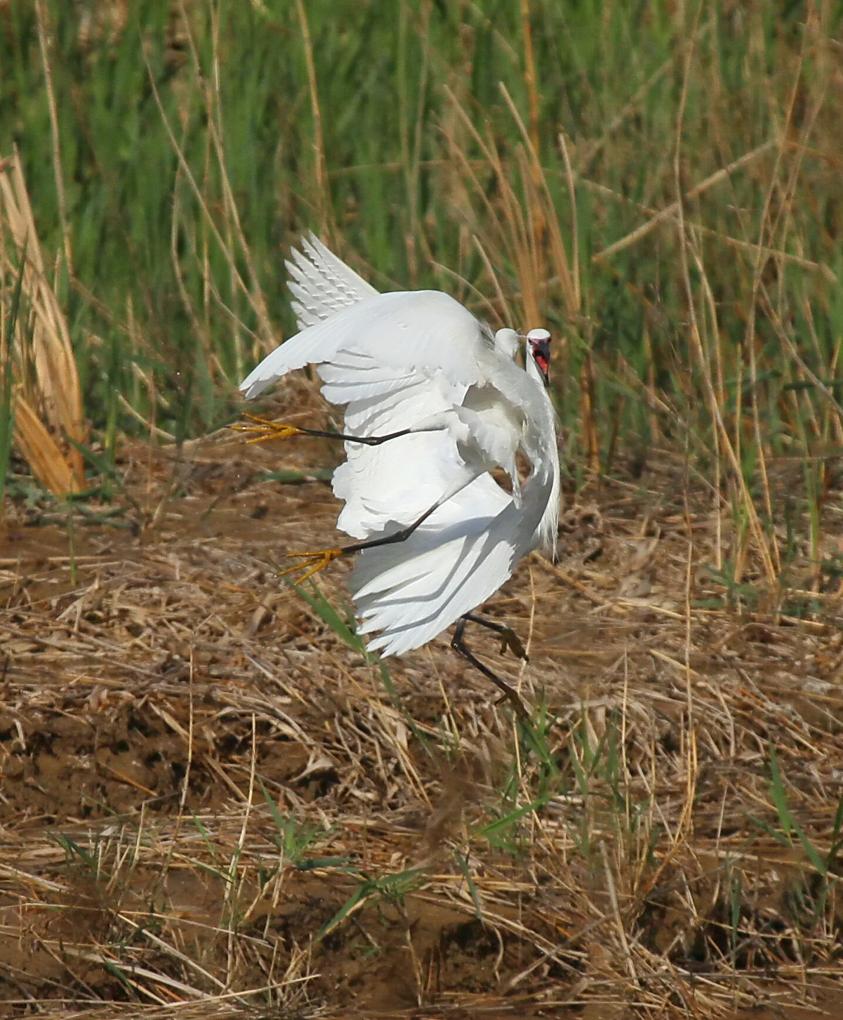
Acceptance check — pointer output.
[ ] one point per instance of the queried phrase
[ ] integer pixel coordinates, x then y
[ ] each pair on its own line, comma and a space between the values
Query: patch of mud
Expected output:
210, 802
100, 759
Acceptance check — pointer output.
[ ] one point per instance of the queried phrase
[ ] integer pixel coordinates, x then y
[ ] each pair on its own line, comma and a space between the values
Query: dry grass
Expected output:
46, 396
211, 803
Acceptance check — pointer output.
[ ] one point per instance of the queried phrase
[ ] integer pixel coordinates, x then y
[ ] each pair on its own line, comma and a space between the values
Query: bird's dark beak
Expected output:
540, 350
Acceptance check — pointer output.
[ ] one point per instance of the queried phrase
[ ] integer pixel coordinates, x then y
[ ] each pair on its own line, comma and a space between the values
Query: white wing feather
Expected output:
399, 480
394, 360
403, 331
447, 567
322, 284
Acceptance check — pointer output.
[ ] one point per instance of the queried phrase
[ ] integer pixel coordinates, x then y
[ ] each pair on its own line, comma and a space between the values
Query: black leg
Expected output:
261, 430
509, 639
460, 647
312, 562
397, 536
365, 440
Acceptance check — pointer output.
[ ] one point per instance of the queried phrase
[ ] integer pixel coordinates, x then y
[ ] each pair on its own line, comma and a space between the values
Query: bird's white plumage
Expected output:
420, 360
322, 284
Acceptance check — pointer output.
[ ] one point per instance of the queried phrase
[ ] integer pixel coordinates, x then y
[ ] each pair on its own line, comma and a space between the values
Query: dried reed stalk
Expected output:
48, 398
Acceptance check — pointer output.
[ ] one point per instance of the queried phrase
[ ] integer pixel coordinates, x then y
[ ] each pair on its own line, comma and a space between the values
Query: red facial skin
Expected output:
540, 349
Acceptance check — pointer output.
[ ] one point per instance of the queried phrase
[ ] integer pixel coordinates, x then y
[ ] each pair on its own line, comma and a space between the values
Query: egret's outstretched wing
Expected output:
321, 283
451, 564
393, 360
393, 335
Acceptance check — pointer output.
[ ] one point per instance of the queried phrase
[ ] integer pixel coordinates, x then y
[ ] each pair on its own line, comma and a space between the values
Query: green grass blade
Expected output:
7, 413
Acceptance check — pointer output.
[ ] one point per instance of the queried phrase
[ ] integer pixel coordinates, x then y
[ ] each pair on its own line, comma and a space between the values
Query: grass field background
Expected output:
662, 186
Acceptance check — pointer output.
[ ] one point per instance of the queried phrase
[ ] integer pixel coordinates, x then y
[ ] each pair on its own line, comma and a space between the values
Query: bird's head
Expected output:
507, 342
538, 344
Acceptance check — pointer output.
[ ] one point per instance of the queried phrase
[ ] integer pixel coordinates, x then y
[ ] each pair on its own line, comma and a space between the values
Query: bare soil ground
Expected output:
211, 805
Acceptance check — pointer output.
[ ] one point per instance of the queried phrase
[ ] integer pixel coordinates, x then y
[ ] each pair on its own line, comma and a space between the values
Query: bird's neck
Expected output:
549, 480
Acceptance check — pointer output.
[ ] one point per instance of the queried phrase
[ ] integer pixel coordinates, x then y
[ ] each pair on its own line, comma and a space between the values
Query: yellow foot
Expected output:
310, 563
510, 640
262, 429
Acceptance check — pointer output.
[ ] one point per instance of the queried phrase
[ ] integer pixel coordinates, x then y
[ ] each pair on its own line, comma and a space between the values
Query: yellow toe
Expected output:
310, 563
261, 430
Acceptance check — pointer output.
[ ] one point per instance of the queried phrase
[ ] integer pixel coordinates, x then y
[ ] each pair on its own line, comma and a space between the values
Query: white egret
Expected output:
434, 401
